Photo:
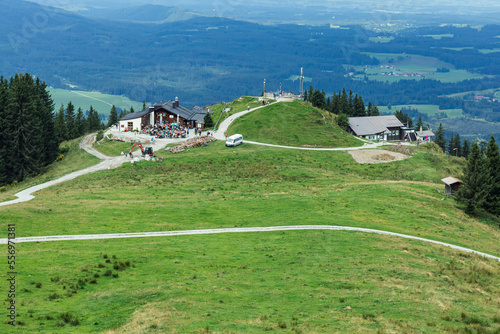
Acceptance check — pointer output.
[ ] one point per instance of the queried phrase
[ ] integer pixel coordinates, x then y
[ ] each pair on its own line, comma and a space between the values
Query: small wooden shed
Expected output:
452, 185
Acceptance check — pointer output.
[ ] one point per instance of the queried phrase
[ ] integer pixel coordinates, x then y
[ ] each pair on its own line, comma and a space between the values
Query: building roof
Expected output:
194, 114
451, 180
426, 133
372, 125
134, 115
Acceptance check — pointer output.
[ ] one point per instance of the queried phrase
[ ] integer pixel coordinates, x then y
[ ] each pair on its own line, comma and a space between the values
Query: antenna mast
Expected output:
301, 81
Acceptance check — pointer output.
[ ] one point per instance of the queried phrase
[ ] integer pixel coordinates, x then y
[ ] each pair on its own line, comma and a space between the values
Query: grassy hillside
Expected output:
72, 160
294, 124
234, 107
300, 281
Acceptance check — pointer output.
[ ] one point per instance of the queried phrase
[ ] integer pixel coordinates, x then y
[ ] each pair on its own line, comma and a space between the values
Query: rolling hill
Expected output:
300, 281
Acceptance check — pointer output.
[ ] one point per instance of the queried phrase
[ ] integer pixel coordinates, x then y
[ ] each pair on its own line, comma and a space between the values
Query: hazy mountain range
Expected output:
308, 11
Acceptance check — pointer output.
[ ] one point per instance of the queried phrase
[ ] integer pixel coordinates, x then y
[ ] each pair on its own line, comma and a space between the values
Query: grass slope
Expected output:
293, 124
75, 159
296, 281
299, 282
234, 107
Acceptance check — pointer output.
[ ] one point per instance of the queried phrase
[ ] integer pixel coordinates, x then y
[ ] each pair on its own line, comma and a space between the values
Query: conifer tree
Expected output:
466, 149
492, 198
93, 121
451, 145
70, 120
472, 192
4, 135
344, 103
113, 116
46, 115
207, 120
359, 106
458, 146
419, 124
80, 123
123, 112
61, 132
439, 139
25, 147
335, 104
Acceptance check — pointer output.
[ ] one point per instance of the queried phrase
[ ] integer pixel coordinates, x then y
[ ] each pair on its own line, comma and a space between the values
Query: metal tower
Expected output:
301, 81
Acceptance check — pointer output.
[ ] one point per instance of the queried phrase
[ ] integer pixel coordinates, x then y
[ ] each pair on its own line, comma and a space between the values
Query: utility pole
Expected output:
264, 91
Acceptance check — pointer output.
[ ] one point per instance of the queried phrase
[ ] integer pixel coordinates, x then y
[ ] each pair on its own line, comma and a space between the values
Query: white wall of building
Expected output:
136, 124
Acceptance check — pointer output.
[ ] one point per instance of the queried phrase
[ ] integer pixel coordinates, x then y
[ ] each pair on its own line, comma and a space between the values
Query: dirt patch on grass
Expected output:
377, 156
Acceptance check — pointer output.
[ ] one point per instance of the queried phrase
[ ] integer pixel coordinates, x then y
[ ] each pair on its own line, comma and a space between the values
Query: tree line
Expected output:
481, 180
27, 128
30, 130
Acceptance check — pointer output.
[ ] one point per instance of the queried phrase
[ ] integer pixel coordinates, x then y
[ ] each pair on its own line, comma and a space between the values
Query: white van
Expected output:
234, 140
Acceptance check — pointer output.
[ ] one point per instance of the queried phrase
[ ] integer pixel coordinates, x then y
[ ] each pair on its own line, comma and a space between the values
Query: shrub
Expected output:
38, 285
54, 296
281, 324
99, 136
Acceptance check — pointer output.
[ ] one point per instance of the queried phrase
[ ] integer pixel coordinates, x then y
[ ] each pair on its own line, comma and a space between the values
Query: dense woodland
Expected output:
26, 120
210, 59
481, 187
31, 131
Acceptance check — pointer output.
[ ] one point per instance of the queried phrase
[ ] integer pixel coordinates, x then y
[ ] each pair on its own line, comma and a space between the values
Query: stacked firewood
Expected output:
191, 143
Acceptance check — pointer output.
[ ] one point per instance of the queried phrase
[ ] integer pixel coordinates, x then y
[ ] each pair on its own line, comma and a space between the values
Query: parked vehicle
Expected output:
234, 140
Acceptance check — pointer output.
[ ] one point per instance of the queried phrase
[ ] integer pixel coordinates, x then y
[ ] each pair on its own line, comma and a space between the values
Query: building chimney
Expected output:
176, 103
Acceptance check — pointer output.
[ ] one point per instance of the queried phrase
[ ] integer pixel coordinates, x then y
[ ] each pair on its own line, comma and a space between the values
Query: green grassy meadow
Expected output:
284, 282
100, 102
113, 148
429, 109
236, 106
407, 63
294, 124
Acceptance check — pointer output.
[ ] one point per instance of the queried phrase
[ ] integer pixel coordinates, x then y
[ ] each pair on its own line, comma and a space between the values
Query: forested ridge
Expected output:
210, 59
30, 129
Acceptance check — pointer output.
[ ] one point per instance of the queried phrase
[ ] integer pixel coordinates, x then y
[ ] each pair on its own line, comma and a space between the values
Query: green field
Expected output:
297, 281
234, 107
429, 109
486, 51
492, 91
100, 102
440, 36
307, 281
293, 124
381, 39
406, 64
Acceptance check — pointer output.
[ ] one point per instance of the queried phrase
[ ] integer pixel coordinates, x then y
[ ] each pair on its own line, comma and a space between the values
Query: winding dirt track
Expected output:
239, 230
113, 162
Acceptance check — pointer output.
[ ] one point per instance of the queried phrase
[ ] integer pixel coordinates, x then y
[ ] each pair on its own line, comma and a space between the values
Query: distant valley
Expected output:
152, 53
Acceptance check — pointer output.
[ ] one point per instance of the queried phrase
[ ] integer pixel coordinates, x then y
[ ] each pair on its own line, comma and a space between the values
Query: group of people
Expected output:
166, 130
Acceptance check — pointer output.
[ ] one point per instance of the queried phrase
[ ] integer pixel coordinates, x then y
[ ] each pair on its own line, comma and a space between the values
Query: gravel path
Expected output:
220, 135
239, 230
86, 144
